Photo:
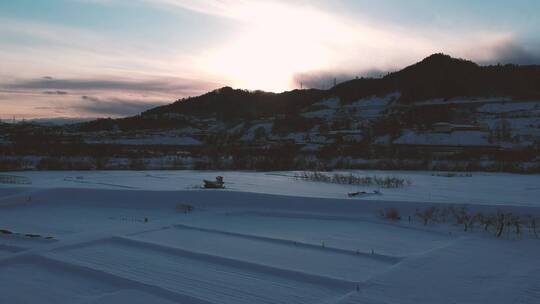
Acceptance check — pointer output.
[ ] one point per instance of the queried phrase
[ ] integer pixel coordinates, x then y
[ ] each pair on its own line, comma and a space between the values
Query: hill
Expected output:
441, 113
437, 76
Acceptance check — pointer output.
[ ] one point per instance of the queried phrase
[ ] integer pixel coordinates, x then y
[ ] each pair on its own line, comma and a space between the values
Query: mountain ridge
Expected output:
436, 76
439, 109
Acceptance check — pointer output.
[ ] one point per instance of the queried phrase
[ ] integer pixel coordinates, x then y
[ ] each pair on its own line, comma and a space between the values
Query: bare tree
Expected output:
532, 224
485, 220
426, 215
391, 214
517, 222
500, 220
460, 215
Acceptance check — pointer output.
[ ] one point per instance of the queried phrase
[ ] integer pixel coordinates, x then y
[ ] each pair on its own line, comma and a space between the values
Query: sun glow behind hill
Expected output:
269, 52
281, 41
104, 57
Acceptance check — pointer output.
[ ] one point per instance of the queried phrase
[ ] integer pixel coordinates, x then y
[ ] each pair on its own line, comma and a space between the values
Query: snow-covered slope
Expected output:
124, 237
479, 188
459, 138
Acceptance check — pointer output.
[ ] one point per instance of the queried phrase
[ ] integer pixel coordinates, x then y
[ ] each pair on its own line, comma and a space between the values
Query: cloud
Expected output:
114, 106
53, 109
273, 45
54, 86
240, 10
280, 40
55, 92
48, 48
35, 104
510, 49
222, 8
45, 108
511, 52
93, 97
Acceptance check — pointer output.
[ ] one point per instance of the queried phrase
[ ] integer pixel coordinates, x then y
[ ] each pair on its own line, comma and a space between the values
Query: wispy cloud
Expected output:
172, 86
225, 8
55, 92
270, 44
46, 96
40, 48
278, 40
512, 52
113, 106
283, 39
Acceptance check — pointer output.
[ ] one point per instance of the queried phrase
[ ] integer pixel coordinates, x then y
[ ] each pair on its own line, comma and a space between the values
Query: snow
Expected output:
353, 138
375, 102
365, 108
326, 114
153, 140
329, 102
187, 130
266, 238
482, 100
382, 140
518, 126
208, 278
41, 280
456, 138
251, 132
236, 128
319, 139
497, 108
468, 264
270, 252
298, 137
481, 188
311, 147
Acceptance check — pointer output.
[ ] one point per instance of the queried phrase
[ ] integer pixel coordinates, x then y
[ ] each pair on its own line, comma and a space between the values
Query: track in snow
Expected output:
467, 271
27, 279
383, 238
207, 278
6, 250
283, 254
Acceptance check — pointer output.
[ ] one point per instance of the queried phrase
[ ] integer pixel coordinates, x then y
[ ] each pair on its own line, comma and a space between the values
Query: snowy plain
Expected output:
120, 237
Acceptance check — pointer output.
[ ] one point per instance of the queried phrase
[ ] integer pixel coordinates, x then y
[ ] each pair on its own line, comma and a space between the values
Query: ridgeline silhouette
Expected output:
437, 76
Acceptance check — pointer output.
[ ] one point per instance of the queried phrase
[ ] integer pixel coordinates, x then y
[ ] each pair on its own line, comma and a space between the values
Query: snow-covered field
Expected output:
121, 237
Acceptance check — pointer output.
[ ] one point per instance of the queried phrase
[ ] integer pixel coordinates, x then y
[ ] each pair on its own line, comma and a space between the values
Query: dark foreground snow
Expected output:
120, 237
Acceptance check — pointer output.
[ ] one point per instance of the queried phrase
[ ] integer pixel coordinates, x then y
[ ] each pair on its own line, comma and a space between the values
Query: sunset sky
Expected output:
112, 58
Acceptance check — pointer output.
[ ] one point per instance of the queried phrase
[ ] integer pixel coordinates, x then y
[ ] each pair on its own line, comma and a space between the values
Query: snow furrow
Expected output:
531, 292
282, 254
6, 250
385, 259
28, 278
198, 276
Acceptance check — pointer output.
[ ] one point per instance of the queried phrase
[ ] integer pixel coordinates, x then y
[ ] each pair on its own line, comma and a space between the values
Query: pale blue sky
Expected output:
116, 57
